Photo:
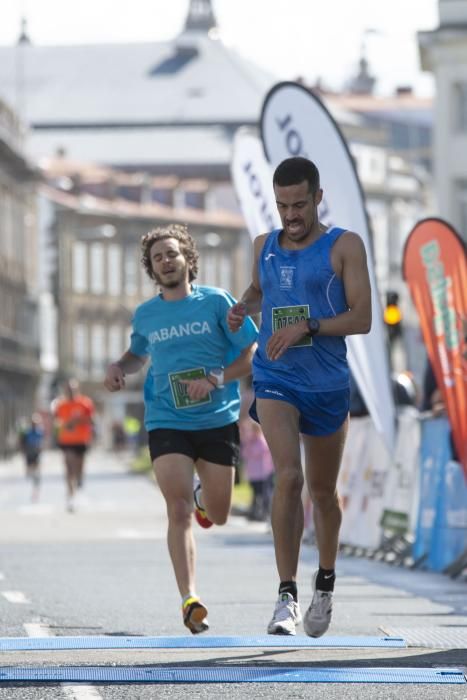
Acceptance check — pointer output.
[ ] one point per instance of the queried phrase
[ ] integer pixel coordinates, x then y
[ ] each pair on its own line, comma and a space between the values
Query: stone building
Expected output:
444, 53
19, 339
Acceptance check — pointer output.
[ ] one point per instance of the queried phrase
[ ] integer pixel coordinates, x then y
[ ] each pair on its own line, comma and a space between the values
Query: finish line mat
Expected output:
126, 642
275, 674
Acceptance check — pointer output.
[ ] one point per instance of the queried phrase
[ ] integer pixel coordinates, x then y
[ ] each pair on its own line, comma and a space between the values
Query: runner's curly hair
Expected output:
187, 246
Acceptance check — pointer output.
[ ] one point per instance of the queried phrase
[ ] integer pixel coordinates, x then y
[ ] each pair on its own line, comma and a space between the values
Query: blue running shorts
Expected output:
321, 412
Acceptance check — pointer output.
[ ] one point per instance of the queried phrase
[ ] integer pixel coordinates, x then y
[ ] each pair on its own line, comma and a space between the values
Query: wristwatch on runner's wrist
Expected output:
313, 326
218, 374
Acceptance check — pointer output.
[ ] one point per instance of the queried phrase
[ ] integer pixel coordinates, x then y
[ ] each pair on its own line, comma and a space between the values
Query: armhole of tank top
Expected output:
265, 241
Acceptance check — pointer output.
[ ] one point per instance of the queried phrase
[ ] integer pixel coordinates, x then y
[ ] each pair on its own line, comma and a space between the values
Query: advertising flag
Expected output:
435, 269
252, 178
295, 123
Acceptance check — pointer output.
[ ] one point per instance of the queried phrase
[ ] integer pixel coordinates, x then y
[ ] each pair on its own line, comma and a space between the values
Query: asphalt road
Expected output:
104, 570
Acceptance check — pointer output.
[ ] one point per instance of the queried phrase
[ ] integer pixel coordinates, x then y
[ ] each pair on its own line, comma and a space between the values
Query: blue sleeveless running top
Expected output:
298, 284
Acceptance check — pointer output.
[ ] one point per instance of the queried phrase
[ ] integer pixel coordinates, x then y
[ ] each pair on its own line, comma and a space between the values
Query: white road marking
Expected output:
2, 576
133, 534
70, 691
37, 509
80, 692
15, 597
37, 629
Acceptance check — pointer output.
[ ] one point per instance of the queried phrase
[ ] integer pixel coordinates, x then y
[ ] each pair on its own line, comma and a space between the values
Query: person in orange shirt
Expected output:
73, 413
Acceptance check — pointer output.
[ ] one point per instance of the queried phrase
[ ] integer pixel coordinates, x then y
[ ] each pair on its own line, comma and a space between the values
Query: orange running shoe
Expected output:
195, 615
200, 514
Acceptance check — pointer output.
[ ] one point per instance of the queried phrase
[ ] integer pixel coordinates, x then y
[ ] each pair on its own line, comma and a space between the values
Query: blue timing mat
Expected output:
192, 642
275, 674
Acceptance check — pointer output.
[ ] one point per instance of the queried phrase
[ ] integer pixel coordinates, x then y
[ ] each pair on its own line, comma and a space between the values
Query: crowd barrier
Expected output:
441, 529
411, 505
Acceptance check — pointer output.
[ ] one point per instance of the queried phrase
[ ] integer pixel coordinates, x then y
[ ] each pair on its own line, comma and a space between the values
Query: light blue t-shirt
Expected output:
186, 339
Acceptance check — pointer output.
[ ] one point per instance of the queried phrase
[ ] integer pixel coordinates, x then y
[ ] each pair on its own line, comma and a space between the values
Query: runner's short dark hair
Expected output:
187, 246
293, 171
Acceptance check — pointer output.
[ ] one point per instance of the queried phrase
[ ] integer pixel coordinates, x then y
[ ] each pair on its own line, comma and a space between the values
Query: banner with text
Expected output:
435, 268
252, 178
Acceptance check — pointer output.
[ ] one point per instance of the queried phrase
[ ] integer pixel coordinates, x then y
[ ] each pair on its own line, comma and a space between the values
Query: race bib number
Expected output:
180, 390
283, 316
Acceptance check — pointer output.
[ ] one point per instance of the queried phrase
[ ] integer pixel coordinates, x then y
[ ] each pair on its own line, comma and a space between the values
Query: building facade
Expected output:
97, 217
444, 53
19, 339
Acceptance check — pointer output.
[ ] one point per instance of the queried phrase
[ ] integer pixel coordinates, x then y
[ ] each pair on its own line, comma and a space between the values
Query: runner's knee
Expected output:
179, 511
289, 481
323, 498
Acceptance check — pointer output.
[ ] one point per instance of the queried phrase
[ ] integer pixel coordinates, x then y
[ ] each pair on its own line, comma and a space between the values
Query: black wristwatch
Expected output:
313, 326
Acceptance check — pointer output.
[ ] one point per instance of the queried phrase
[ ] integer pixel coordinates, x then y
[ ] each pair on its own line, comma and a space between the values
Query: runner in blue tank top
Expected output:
312, 287
191, 396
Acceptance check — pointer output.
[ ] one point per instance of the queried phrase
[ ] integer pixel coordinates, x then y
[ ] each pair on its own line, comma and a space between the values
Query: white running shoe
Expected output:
286, 616
318, 616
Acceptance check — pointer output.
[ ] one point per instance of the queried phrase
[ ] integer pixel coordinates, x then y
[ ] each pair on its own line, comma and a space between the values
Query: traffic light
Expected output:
393, 315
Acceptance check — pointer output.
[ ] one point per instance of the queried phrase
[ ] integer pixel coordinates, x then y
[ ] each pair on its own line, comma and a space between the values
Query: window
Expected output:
210, 271
80, 348
98, 354
148, 286
114, 270
97, 268
130, 265
194, 199
460, 106
461, 206
163, 196
115, 345
175, 63
80, 267
225, 270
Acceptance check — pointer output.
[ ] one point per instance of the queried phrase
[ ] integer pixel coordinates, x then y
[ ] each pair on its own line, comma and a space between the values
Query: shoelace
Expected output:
321, 602
284, 609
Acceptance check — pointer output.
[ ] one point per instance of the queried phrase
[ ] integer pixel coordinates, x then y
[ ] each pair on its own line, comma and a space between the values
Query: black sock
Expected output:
325, 580
289, 587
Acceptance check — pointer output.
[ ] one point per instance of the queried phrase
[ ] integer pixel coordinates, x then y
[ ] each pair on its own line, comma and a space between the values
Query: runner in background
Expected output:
73, 419
31, 439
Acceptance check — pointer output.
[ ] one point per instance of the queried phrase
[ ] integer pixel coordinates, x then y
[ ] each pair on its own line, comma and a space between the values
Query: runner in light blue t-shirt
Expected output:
191, 396
188, 338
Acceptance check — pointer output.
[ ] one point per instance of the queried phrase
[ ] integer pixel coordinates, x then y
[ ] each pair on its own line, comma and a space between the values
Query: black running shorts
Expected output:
216, 445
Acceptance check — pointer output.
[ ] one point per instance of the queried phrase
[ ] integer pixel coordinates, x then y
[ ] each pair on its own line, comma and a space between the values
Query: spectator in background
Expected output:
132, 429
31, 441
432, 399
118, 436
259, 468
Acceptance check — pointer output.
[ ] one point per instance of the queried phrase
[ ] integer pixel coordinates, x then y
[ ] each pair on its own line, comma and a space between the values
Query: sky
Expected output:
289, 38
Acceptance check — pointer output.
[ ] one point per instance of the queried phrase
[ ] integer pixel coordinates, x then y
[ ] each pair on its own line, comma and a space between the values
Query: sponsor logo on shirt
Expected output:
183, 329
286, 277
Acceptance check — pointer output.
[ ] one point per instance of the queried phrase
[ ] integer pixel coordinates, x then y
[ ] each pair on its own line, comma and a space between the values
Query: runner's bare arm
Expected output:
240, 367
350, 263
127, 364
250, 303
